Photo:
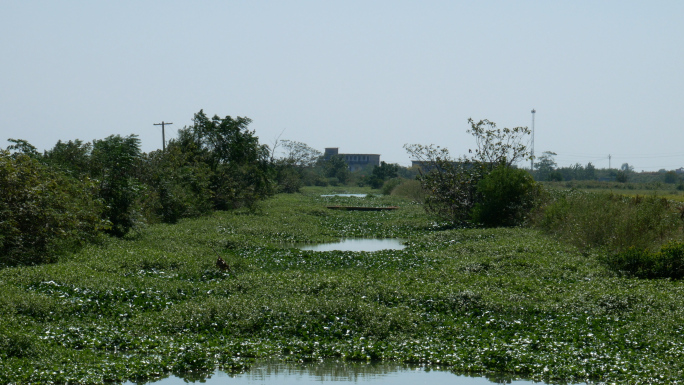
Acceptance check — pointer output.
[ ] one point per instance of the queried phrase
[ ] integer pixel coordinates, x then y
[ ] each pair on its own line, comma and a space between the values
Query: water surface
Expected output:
340, 372
357, 244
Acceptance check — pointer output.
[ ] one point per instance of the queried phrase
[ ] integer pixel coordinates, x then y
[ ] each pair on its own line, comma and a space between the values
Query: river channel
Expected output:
340, 372
356, 244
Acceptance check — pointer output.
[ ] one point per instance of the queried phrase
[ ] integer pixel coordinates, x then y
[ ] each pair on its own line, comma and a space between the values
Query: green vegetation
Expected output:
483, 190
642, 263
506, 197
614, 223
589, 291
43, 212
506, 300
73, 193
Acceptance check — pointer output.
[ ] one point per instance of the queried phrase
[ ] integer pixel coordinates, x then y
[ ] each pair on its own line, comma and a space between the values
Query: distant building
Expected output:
355, 161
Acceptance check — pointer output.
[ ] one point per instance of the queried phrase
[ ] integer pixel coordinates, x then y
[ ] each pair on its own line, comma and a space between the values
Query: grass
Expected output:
661, 190
475, 300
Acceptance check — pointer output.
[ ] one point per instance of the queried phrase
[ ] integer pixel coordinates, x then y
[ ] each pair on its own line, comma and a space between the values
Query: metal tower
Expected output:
532, 157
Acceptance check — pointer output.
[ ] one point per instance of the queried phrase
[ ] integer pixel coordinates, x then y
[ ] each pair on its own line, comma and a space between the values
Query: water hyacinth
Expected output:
509, 301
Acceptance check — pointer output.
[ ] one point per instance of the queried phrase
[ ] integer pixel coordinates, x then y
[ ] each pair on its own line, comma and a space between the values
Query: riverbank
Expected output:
475, 300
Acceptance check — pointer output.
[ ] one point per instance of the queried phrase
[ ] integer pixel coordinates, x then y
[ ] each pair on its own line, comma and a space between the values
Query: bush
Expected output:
390, 185
615, 222
451, 186
43, 212
176, 188
289, 179
410, 189
506, 196
642, 263
451, 190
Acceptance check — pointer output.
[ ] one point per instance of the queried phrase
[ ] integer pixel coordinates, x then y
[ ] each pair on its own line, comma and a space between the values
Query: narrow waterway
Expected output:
277, 372
353, 244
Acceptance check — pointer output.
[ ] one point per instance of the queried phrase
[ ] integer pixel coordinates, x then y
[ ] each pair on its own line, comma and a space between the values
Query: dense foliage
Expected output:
43, 211
381, 174
240, 173
668, 262
506, 197
53, 202
510, 301
484, 189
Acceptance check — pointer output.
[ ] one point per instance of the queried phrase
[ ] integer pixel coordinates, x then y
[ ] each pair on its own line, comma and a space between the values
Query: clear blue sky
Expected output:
605, 77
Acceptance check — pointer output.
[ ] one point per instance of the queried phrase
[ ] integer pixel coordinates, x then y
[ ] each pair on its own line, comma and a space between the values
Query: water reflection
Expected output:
355, 244
341, 372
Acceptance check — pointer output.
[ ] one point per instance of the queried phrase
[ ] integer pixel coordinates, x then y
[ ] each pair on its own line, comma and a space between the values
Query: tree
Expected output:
43, 212
336, 168
451, 185
381, 173
72, 156
114, 162
240, 168
545, 165
506, 196
298, 154
177, 188
295, 166
671, 177
590, 172
21, 146
497, 146
622, 176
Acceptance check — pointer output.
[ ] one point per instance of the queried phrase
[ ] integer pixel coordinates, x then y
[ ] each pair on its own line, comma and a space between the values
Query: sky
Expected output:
604, 77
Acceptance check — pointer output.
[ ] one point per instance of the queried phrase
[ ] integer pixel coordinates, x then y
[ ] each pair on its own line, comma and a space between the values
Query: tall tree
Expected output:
241, 173
114, 163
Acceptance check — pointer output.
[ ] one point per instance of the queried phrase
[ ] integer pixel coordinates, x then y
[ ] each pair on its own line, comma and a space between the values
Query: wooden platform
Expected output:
358, 208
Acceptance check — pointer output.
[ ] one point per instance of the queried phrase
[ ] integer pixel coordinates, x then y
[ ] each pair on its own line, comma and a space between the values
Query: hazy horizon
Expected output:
366, 77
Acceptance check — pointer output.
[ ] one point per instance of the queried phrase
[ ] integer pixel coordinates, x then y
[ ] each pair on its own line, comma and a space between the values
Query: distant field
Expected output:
668, 191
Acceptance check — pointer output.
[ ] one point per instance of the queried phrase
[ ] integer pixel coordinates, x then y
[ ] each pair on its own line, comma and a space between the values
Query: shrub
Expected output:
380, 174
390, 185
239, 169
642, 263
506, 196
289, 179
615, 222
451, 189
177, 188
410, 189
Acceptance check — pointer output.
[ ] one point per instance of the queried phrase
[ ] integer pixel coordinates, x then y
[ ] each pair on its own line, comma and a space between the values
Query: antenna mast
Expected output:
532, 157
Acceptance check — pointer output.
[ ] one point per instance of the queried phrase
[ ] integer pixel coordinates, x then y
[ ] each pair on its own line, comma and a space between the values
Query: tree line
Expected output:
77, 192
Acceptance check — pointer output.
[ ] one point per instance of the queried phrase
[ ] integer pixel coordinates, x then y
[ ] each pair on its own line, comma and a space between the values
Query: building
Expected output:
355, 161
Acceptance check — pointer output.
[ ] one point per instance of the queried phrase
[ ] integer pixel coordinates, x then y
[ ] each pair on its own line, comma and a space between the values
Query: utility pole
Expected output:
163, 136
532, 157
609, 161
